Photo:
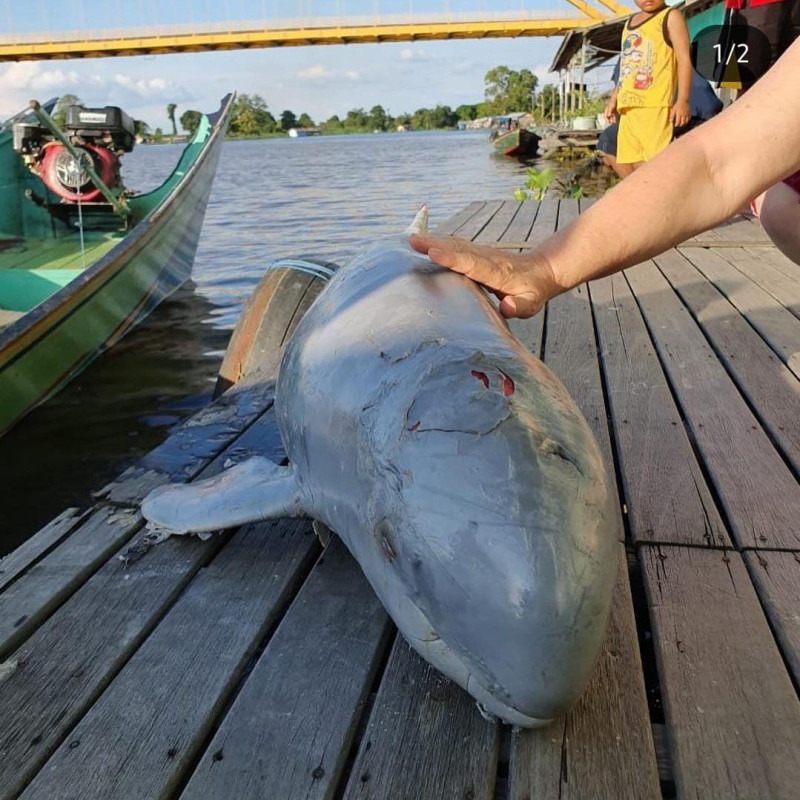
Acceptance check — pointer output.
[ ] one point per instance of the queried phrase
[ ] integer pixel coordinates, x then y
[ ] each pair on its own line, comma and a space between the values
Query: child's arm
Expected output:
611, 106
681, 111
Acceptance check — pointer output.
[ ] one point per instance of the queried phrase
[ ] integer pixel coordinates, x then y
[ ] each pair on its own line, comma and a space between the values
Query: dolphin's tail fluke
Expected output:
420, 223
253, 490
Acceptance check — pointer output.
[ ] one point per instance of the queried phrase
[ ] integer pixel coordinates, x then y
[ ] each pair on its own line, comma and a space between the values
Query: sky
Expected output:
321, 80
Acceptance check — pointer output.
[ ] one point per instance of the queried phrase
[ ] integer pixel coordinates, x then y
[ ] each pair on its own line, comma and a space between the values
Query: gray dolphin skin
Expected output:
455, 467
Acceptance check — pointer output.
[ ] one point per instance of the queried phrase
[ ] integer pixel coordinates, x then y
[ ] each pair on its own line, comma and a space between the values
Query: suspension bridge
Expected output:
308, 30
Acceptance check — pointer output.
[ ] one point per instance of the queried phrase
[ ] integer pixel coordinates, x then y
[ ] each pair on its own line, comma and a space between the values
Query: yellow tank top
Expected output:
647, 68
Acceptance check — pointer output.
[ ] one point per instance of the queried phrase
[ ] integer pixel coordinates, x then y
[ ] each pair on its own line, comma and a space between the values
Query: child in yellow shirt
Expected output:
655, 57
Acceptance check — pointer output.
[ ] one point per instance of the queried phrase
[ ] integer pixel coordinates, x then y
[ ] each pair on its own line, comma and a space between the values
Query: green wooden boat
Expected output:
65, 297
516, 144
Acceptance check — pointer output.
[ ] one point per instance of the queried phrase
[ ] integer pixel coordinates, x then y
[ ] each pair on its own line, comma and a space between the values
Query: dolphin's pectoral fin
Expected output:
253, 490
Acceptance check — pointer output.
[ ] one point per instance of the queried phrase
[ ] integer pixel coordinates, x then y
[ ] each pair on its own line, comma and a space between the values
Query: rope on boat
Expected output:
80, 219
300, 265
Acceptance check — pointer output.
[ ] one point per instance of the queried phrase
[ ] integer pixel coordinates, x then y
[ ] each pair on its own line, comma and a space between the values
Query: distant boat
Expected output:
298, 133
516, 143
63, 302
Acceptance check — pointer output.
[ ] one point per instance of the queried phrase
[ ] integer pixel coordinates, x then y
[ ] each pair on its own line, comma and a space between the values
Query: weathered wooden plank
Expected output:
193, 445
28, 601
772, 390
521, 226
148, 726
15, 563
262, 438
754, 265
475, 224
571, 352
778, 260
736, 452
296, 715
52, 679
732, 713
500, 222
665, 491
741, 229
779, 327
604, 747
79, 649
776, 576
452, 224
425, 738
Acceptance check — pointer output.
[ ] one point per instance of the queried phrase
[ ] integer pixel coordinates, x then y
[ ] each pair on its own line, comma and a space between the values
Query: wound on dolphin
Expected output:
456, 469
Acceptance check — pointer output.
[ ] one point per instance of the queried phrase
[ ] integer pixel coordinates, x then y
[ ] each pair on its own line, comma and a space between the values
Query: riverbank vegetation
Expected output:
505, 90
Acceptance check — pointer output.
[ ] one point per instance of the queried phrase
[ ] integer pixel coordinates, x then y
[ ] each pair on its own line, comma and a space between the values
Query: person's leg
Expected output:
623, 170
779, 212
630, 152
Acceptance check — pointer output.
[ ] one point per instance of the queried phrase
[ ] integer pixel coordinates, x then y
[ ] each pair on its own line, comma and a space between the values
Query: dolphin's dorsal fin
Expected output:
420, 223
253, 490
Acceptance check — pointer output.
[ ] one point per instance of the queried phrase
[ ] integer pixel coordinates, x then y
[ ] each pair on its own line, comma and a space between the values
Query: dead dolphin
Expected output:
454, 466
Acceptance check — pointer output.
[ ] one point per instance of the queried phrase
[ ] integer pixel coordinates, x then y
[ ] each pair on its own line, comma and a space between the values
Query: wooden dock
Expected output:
258, 665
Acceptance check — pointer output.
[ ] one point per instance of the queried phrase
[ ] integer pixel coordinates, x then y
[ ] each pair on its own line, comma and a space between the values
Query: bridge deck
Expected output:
255, 664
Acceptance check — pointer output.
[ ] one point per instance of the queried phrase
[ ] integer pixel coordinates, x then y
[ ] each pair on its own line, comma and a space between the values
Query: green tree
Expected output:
288, 120
333, 125
467, 112
251, 117
158, 135
357, 120
509, 90
305, 121
434, 118
190, 120
141, 128
171, 116
60, 111
378, 119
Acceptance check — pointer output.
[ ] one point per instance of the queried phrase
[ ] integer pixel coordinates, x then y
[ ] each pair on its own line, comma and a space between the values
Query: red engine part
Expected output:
63, 175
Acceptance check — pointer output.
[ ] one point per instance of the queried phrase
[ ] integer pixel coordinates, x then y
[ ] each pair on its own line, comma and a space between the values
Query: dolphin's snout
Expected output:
514, 563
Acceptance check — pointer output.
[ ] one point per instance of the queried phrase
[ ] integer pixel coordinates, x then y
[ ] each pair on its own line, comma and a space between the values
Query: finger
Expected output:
423, 243
419, 242
521, 305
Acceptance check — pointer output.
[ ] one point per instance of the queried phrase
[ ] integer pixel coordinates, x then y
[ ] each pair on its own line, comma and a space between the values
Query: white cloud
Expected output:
315, 73
415, 54
148, 88
353, 75
18, 82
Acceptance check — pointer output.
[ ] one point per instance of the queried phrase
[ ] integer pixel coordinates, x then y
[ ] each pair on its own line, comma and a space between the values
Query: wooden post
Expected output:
583, 71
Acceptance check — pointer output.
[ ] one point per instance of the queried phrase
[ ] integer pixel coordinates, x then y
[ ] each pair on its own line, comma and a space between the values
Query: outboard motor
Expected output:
101, 135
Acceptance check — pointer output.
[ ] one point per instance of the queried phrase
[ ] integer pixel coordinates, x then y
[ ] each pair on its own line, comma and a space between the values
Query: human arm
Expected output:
681, 112
611, 106
696, 183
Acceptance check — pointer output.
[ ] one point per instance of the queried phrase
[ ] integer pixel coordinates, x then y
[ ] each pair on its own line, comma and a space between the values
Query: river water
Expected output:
271, 199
